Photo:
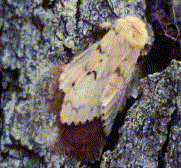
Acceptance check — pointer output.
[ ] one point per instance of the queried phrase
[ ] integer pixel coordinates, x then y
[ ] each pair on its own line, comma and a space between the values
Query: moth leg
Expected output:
114, 85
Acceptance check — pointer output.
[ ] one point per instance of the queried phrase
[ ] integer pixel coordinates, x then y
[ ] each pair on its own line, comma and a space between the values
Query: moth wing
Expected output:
112, 99
82, 84
69, 73
114, 84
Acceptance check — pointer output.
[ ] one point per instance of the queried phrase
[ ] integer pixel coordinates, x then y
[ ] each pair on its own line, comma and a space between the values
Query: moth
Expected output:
88, 92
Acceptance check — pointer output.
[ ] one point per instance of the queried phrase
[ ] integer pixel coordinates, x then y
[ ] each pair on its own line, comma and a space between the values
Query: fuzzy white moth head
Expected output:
133, 30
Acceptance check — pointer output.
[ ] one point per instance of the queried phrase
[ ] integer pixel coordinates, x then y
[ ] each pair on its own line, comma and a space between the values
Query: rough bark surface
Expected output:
35, 35
151, 124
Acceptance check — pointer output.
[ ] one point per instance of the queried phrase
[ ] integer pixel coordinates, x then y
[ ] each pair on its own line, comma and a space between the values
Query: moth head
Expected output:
133, 30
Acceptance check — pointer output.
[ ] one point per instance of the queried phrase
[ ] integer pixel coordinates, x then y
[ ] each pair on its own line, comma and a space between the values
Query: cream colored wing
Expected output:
82, 84
95, 82
116, 84
131, 37
112, 100
111, 90
113, 97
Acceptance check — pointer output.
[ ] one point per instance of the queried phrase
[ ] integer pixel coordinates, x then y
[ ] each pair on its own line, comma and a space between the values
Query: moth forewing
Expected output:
132, 36
82, 87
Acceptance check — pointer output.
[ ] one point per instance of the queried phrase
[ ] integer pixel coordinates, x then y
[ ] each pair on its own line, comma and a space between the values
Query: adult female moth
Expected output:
90, 89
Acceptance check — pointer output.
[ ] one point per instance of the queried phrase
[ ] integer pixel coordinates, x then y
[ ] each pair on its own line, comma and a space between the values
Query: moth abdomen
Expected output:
86, 147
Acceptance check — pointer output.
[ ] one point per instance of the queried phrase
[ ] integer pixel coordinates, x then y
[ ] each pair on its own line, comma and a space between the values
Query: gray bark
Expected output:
34, 37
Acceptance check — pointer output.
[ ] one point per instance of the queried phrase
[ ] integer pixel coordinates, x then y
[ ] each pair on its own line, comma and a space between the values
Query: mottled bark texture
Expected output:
35, 35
